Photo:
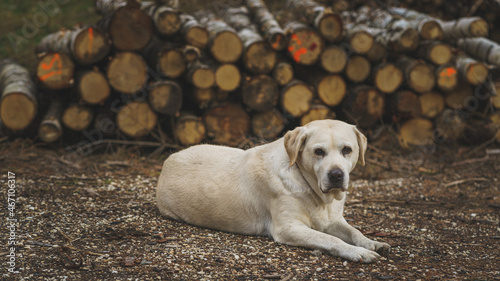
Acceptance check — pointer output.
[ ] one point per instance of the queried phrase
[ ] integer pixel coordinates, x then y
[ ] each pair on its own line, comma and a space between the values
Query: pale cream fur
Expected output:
279, 189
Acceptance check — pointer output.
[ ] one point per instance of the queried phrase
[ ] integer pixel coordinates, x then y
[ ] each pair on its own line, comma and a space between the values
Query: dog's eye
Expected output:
346, 150
319, 152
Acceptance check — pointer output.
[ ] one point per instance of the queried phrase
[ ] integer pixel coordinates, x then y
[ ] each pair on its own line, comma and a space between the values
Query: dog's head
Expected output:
326, 151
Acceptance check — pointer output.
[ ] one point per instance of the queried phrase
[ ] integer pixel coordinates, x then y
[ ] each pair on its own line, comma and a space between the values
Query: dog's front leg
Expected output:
351, 235
298, 234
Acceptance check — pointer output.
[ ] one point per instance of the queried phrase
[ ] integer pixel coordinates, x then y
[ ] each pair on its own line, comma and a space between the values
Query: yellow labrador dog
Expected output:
292, 189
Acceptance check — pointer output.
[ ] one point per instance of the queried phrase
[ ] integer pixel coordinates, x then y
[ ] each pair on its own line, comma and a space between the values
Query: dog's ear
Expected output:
294, 140
362, 144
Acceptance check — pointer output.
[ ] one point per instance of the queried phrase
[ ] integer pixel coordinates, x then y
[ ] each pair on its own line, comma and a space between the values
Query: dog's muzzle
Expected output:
335, 179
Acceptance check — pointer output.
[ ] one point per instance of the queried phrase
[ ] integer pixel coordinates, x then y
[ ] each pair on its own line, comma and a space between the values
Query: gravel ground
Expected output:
96, 219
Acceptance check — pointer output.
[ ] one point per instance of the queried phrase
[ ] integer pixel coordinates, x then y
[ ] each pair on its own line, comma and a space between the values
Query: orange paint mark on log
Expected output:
50, 74
449, 71
298, 53
51, 64
91, 40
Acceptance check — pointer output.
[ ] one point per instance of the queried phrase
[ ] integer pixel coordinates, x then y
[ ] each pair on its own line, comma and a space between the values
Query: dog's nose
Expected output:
336, 175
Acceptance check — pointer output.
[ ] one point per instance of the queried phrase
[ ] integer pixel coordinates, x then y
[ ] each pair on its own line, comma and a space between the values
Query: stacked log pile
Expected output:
149, 70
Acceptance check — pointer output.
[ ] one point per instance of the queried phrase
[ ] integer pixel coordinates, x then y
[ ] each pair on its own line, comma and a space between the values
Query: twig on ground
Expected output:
457, 182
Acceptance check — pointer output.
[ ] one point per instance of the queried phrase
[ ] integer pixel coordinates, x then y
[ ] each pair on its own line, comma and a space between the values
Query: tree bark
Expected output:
92, 86
127, 72
189, 129
268, 124
268, 25
296, 98
55, 71
428, 27
86, 45
50, 128
165, 97
482, 49
464, 28
260, 93
136, 119
166, 19
128, 26
77, 117
227, 124
18, 100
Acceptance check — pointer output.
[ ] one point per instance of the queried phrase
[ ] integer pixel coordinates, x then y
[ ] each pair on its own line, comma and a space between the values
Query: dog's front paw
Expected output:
359, 254
382, 248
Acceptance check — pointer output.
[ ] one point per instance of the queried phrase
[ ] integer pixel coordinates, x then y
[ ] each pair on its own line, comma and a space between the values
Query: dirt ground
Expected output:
95, 218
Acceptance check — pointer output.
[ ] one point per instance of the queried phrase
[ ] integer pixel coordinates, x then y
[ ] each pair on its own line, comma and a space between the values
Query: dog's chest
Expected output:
322, 216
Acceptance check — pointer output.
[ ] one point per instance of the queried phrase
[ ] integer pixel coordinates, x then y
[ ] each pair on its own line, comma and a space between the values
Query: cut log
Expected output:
193, 32
165, 58
283, 73
92, 87
296, 98
495, 99
201, 75
481, 49
404, 104
227, 77
495, 119
258, 57
260, 93
305, 44
136, 119
55, 71
202, 98
378, 52
364, 106
419, 76
127, 72
50, 128
446, 77
478, 131
333, 59
104, 122
358, 68
268, 25
165, 97
77, 117
86, 45
227, 124
189, 129
449, 126
224, 44
428, 27
166, 19
387, 77
268, 124
317, 112
472, 71
328, 23
459, 97
416, 132
359, 39
435, 52
18, 100
129, 27
464, 28
432, 104
331, 88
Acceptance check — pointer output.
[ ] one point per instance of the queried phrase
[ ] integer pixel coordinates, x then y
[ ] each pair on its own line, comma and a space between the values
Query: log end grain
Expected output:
432, 104
93, 87
409, 40
495, 100
167, 20
268, 124
495, 119
17, 111
317, 112
440, 54
127, 72
55, 71
476, 73
130, 29
330, 26
50, 131
296, 98
91, 45
259, 58
226, 47
190, 130
305, 45
283, 73
361, 42
227, 77
416, 132
165, 97
136, 119
358, 69
227, 124
421, 78
172, 62
431, 30
446, 77
197, 36
459, 97
332, 89
77, 117
260, 93
479, 27
333, 59
388, 78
